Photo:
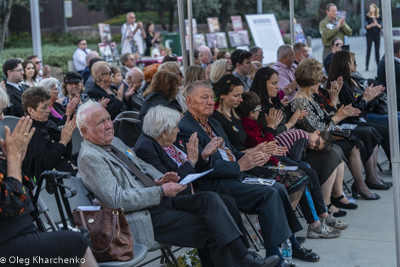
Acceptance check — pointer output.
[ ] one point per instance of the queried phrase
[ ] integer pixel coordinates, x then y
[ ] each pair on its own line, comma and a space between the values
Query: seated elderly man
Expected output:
116, 176
135, 78
285, 68
271, 203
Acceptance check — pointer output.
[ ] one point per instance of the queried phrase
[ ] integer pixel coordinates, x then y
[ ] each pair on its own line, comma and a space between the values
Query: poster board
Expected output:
194, 24
237, 23
299, 36
266, 34
213, 24
114, 51
198, 40
217, 39
238, 38
105, 52
105, 33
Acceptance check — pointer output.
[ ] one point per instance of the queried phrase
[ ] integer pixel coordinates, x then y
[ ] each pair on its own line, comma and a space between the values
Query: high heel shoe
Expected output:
336, 201
355, 192
379, 186
387, 183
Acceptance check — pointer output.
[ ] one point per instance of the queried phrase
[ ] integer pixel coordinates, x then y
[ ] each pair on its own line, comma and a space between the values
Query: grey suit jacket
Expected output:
113, 184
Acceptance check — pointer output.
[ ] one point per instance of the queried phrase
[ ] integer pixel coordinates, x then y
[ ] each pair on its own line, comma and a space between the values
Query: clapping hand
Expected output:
73, 103
131, 90
210, 148
274, 117
67, 130
192, 148
104, 102
169, 177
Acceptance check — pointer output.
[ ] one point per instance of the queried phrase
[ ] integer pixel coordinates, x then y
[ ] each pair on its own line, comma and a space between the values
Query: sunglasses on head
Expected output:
257, 108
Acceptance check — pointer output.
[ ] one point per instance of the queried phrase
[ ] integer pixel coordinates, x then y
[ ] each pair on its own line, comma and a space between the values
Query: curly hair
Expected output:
33, 96
163, 82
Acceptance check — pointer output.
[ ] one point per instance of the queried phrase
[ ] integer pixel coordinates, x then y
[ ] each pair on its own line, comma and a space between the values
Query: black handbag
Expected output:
379, 105
341, 134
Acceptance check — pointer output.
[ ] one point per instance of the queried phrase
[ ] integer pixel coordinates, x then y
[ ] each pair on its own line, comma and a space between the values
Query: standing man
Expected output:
257, 54
128, 62
79, 57
14, 73
133, 35
331, 27
241, 61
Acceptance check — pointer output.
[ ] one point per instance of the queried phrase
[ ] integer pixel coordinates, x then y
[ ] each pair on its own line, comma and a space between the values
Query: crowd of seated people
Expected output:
228, 114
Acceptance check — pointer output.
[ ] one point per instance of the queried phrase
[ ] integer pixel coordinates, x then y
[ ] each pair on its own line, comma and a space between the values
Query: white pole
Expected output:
392, 111
259, 7
291, 7
182, 33
35, 25
362, 29
190, 19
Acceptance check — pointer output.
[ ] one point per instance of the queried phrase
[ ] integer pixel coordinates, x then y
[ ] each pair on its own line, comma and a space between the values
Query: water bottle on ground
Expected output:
287, 250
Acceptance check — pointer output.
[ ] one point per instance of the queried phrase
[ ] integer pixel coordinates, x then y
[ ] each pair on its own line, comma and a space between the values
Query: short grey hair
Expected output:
48, 83
4, 99
328, 6
218, 69
254, 49
191, 88
160, 119
81, 114
298, 46
283, 50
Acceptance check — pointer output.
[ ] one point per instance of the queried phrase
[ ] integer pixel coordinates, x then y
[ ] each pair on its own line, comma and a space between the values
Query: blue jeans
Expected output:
383, 118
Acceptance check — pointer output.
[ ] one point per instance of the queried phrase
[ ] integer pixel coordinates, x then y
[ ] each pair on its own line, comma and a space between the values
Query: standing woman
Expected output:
374, 25
151, 37
30, 75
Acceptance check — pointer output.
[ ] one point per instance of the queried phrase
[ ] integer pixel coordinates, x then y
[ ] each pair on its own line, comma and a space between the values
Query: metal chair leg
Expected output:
171, 254
255, 229
379, 166
298, 209
252, 241
346, 187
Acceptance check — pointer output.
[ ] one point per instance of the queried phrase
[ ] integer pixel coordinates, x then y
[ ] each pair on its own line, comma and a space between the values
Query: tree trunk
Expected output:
161, 17
4, 23
171, 18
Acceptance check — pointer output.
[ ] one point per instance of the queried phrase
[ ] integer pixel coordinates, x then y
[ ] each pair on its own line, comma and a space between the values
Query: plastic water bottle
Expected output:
287, 250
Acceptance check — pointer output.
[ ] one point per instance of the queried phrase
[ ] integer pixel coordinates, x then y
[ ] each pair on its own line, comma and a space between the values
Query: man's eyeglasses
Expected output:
18, 70
257, 108
38, 62
109, 73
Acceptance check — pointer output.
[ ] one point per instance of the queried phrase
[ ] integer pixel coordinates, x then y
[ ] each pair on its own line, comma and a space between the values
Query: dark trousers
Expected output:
270, 203
376, 38
202, 221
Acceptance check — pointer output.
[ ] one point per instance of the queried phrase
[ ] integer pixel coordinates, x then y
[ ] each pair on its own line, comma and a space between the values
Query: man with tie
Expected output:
14, 73
241, 61
79, 55
120, 179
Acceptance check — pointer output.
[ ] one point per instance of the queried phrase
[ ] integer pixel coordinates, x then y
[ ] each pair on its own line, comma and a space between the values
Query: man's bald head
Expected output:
91, 55
135, 76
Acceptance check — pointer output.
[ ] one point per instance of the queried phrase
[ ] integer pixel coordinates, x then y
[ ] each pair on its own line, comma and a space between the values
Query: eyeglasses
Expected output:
18, 70
109, 73
338, 44
38, 62
257, 108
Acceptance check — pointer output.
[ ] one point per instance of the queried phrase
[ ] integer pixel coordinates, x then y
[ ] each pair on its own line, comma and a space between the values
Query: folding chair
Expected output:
9, 121
128, 130
75, 194
128, 115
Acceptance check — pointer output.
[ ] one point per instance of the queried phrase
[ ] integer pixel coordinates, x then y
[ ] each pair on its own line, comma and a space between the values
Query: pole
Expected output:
35, 25
64, 26
392, 112
362, 29
190, 19
291, 7
182, 32
259, 7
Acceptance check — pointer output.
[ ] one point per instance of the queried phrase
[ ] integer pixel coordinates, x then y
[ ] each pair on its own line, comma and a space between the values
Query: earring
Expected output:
312, 87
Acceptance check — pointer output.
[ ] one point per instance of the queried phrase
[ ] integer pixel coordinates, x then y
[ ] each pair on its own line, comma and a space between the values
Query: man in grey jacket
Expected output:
116, 176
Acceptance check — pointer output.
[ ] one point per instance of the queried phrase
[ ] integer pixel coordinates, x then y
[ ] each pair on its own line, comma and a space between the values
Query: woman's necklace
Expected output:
306, 97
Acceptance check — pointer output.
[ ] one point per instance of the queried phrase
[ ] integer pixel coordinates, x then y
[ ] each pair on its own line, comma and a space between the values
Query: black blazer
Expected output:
15, 100
136, 99
114, 107
222, 169
382, 77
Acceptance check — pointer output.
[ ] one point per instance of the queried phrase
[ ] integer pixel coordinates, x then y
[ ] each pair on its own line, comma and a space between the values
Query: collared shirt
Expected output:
245, 80
79, 58
286, 75
19, 87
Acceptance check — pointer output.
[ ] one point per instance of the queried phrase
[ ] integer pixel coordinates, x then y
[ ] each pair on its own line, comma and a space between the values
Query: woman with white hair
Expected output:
19, 236
220, 68
58, 113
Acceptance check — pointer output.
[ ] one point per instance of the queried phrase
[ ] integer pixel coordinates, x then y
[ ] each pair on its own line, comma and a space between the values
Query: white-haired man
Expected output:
285, 67
133, 35
116, 176
135, 78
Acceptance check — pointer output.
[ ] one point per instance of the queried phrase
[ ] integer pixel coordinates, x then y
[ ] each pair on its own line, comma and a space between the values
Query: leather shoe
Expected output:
304, 254
252, 260
379, 186
336, 201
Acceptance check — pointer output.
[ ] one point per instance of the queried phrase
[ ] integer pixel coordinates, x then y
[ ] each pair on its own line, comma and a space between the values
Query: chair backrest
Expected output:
128, 115
76, 142
128, 130
9, 121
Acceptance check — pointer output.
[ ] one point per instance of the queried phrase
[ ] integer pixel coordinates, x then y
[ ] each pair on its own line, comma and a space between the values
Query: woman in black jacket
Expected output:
374, 25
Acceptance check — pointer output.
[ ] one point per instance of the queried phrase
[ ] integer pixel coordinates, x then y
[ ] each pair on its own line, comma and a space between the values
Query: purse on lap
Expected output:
110, 234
